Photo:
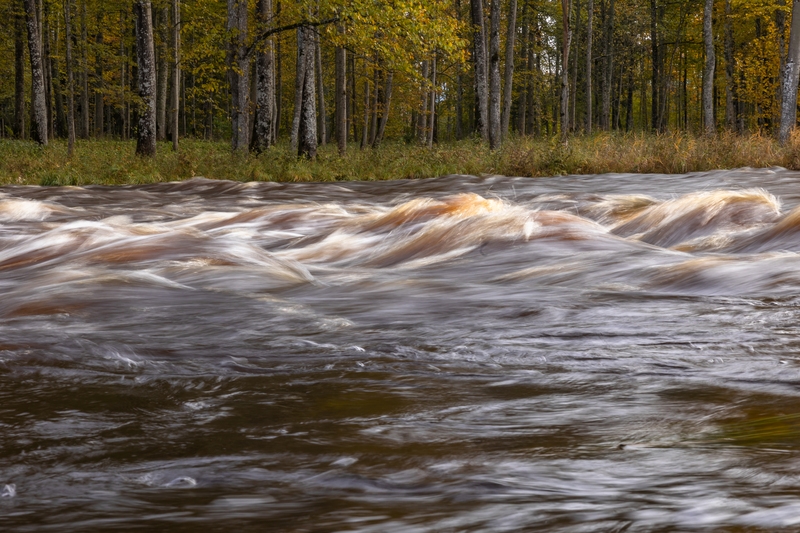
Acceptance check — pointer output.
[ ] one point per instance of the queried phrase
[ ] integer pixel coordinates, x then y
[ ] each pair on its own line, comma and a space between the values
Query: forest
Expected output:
359, 73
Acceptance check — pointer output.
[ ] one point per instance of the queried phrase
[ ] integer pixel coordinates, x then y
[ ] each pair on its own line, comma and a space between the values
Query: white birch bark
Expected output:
791, 73
145, 55
708, 70
494, 76
39, 125
479, 61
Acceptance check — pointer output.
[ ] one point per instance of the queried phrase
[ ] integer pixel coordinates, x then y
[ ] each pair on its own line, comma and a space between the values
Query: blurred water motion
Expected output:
581, 353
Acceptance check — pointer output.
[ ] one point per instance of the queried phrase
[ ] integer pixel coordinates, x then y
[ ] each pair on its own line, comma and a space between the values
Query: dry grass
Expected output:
110, 162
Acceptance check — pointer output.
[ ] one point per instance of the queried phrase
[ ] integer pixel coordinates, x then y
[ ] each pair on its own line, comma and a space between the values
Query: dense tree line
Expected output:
358, 72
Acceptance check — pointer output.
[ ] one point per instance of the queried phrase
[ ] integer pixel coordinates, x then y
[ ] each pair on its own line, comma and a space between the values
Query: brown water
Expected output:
593, 353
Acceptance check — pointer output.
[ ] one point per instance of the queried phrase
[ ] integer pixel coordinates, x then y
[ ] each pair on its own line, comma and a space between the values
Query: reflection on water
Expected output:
583, 353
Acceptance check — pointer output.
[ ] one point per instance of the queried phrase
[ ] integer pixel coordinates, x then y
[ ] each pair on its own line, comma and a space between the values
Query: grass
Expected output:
112, 162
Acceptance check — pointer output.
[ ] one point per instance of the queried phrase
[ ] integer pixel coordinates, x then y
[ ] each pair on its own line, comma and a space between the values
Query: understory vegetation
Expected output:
112, 162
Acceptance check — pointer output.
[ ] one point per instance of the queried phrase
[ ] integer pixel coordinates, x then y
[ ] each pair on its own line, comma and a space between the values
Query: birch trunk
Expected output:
494, 76
608, 66
98, 93
322, 130
176, 72
238, 63
19, 78
730, 109
307, 129
566, 9
589, 64
340, 115
299, 80
47, 69
479, 63
365, 131
708, 70
264, 127
373, 129
145, 55
387, 102
85, 131
162, 77
509, 69
422, 119
432, 118
70, 79
39, 124
791, 73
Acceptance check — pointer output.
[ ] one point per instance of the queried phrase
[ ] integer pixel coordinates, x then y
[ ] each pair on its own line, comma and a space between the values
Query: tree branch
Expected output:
272, 31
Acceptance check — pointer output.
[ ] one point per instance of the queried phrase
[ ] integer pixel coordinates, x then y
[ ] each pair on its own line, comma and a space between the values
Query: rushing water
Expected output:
582, 353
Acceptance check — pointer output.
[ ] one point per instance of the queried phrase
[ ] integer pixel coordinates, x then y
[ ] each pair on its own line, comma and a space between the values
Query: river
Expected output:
570, 354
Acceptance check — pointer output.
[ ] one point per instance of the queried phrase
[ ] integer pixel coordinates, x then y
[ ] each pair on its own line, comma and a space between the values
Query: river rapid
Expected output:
579, 353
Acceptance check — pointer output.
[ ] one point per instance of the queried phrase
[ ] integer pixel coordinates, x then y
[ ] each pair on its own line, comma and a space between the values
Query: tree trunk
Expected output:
39, 124
422, 118
47, 69
479, 63
322, 115
85, 130
730, 110
70, 80
351, 104
494, 76
145, 55
365, 131
340, 94
608, 65
387, 102
98, 94
589, 64
573, 87
238, 63
566, 9
19, 78
299, 80
373, 129
264, 128
708, 70
432, 117
658, 122
791, 73
307, 130
60, 125
176, 73
278, 87
162, 77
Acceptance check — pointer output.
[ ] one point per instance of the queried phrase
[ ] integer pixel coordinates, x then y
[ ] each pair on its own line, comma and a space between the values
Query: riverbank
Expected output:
111, 162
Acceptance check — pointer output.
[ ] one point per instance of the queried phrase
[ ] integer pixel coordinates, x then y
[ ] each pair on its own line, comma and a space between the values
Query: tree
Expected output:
146, 62
589, 30
176, 73
790, 78
264, 128
494, 76
708, 70
39, 124
70, 79
307, 127
566, 11
340, 93
19, 77
480, 67
511, 34
238, 63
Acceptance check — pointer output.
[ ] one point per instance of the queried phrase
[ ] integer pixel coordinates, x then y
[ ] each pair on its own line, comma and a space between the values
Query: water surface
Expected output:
581, 353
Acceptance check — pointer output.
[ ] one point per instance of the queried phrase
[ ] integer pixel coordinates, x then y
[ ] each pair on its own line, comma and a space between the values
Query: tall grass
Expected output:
110, 162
